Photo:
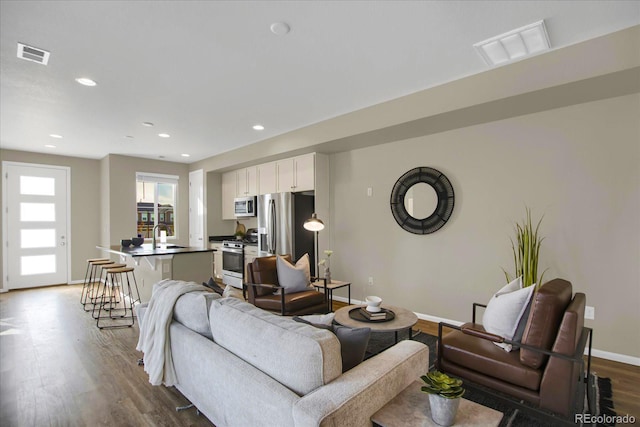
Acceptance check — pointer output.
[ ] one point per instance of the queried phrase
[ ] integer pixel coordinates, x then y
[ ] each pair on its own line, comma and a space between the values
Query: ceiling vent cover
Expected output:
516, 44
34, 54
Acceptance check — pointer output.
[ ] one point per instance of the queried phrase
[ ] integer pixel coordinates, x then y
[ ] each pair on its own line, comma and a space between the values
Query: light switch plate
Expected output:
590, 312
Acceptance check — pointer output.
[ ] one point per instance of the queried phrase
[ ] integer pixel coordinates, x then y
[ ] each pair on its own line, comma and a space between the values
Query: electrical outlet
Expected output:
369, 191
370, 281
590, 313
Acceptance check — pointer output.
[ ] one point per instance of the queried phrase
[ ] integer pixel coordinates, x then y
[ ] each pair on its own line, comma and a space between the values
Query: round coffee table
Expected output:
404, 319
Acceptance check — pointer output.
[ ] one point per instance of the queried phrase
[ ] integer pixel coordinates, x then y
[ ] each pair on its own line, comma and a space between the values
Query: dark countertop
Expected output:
145, 250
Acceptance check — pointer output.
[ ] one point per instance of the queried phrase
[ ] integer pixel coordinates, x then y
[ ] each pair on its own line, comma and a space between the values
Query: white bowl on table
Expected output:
373, 303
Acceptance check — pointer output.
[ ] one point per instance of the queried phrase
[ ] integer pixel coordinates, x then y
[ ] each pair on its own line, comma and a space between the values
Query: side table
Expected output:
335, 284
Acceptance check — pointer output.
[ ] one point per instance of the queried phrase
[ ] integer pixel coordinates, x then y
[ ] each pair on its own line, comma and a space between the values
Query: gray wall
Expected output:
578, 166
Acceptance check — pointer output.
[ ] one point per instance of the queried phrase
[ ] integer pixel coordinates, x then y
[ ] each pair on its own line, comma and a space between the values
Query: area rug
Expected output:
600, 390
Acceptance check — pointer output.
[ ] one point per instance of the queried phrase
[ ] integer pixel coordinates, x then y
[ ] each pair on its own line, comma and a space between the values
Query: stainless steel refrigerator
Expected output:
280, 225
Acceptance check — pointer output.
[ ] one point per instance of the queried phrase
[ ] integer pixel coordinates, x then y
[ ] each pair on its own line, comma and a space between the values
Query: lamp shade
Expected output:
313, 223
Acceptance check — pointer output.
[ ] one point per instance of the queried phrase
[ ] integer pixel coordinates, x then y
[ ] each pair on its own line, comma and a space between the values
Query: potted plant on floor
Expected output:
444, 396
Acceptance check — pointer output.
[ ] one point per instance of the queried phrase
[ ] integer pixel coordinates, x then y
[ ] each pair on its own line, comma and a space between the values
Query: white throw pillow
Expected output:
505, 309
294, 278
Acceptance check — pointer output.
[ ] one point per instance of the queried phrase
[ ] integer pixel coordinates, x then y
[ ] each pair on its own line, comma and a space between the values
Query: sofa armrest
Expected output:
352, 398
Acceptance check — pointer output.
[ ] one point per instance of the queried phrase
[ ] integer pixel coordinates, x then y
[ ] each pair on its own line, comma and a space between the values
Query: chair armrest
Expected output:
263, 285
352, 398
470, 329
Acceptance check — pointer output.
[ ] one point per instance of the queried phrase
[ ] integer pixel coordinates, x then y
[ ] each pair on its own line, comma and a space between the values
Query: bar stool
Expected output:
90, 287
105, 295
119, 279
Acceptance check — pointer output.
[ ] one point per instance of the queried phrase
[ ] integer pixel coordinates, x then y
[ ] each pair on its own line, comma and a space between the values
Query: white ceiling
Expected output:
206, 71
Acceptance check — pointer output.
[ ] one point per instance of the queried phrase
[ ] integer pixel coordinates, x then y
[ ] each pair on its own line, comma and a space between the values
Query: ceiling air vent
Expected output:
34, 54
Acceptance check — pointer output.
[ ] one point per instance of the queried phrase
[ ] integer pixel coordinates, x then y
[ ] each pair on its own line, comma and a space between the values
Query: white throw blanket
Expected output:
154, 339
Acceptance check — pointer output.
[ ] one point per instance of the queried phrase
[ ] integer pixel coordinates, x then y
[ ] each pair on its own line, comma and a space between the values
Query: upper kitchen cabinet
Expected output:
247, 182
296, 174
229, 190
267, 181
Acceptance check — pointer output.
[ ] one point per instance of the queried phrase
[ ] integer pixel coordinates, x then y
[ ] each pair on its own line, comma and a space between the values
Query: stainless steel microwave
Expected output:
245, 206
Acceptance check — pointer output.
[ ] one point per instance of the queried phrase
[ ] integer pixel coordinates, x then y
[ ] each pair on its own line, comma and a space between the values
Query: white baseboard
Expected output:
616, 357
75, 282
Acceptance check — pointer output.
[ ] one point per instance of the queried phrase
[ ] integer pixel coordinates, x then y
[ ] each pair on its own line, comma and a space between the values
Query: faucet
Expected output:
154, 245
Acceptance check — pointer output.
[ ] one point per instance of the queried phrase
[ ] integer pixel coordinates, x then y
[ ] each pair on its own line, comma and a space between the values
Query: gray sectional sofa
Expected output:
243, 366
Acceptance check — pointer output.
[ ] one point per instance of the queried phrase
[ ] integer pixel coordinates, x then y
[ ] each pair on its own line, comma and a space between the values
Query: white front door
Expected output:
35, 223
196, 209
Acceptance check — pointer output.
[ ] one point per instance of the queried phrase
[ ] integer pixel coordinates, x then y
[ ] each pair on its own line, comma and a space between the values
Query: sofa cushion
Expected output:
482, 356
299, 357
294, 278
547, 309
506, 309
192, 310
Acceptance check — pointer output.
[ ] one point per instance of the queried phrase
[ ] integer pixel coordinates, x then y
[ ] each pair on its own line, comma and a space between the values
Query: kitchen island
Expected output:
166, 261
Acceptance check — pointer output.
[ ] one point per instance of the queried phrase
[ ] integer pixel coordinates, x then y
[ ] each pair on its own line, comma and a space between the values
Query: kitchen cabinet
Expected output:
247, 182
250, 253
217, 261
296, 174
267, 182
229, 191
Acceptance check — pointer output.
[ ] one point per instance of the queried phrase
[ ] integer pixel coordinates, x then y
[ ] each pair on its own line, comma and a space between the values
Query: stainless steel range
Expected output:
233, 263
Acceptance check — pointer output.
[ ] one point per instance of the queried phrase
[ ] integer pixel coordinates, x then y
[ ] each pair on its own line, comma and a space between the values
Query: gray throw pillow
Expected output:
293, 278
353, 342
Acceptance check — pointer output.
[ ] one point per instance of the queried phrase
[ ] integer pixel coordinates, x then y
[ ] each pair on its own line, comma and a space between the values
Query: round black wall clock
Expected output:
422, 200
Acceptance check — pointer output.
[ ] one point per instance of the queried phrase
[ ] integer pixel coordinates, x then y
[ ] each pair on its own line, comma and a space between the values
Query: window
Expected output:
156, 197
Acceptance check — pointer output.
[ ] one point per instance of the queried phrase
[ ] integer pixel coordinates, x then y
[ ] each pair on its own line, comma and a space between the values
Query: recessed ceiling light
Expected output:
258, 127
164, 135
50, 146
53, 135
185, 155
147, 124
515, 44
280, 28
86, 81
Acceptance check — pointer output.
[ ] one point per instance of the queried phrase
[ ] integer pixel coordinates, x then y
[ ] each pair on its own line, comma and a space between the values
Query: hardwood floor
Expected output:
58, 369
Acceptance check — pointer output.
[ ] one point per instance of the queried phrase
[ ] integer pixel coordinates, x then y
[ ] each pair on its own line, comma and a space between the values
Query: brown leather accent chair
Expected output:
547, 370
263, 283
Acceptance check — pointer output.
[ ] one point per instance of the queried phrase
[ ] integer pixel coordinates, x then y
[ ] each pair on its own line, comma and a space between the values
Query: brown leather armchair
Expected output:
547, 371
263, 283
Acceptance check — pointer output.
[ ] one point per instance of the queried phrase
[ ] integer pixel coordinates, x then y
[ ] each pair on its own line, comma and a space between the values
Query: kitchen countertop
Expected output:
145, 250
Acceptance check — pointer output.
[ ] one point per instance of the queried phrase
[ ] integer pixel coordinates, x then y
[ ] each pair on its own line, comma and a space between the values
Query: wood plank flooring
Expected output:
58, 369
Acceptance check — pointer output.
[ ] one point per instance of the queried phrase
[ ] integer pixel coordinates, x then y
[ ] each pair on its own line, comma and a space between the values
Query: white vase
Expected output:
443, 410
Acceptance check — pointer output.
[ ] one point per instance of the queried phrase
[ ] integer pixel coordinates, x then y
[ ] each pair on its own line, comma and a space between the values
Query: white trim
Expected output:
157, 177
67, 169
616, 357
